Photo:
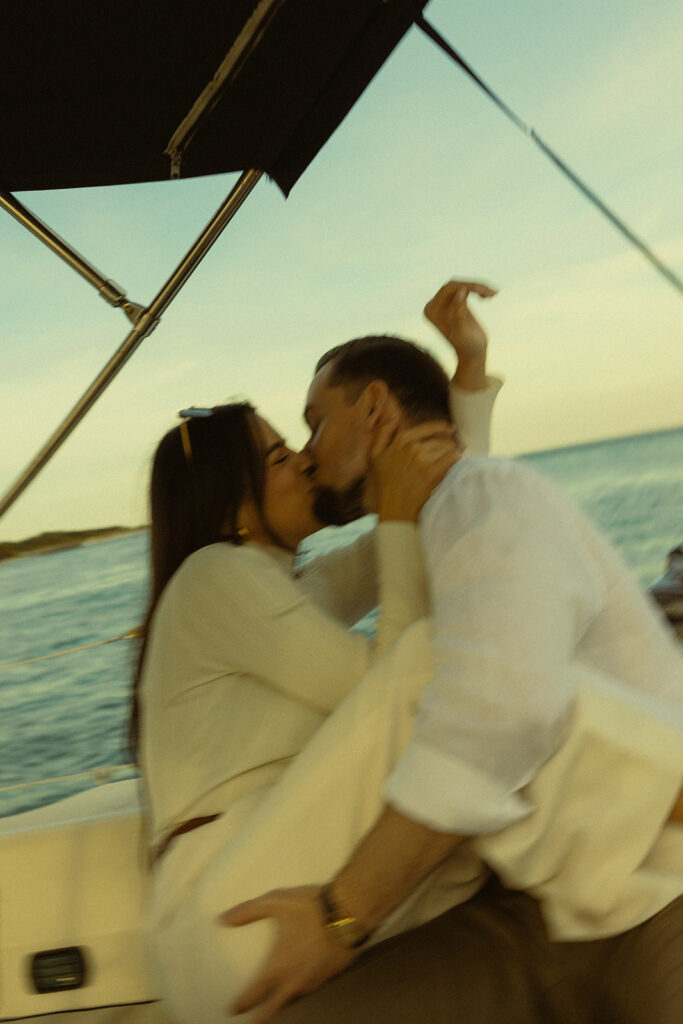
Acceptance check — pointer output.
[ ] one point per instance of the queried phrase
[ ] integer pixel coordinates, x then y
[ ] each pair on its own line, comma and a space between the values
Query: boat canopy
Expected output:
108, 94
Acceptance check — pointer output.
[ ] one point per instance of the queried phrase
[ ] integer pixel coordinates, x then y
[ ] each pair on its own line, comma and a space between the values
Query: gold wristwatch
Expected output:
344, 931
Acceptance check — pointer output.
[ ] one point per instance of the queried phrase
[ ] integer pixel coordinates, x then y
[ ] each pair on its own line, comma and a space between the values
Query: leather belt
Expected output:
180, 830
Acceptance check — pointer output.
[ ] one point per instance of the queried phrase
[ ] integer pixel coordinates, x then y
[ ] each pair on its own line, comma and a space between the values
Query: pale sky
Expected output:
425, 180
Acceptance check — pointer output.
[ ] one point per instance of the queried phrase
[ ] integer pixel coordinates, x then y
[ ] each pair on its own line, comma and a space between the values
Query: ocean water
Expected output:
67, 715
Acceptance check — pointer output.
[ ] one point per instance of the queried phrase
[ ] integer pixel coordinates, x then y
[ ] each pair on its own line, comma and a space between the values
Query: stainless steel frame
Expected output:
229, 69
144, 319
109, 291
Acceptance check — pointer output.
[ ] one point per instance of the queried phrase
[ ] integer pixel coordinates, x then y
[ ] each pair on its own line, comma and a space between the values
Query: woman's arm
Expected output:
473, 392
450, 314
343, 581
242, 614
405, 469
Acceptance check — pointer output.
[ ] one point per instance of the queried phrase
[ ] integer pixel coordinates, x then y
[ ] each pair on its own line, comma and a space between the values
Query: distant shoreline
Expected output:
62, 540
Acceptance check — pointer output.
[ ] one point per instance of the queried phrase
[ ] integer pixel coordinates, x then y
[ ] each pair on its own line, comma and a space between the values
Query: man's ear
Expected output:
376, 398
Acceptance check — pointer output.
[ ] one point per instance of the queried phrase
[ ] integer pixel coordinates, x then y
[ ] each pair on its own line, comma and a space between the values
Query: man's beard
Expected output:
336, 508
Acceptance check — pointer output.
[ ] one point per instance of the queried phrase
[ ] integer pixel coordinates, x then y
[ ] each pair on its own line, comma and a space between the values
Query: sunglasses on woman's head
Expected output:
195, 412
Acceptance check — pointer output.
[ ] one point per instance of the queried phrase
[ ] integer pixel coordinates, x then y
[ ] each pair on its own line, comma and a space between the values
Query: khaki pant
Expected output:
489, 961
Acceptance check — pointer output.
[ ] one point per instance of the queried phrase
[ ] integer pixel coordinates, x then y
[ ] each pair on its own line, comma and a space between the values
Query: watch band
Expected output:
343, 929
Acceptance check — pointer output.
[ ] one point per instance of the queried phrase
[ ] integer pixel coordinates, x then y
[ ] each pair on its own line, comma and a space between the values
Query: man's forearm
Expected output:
387, 865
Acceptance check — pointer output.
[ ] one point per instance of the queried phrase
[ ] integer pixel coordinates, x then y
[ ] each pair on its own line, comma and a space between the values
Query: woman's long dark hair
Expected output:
195, 498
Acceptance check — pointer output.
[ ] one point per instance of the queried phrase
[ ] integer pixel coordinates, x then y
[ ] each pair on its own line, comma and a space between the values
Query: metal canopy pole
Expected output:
146, 323
109, 291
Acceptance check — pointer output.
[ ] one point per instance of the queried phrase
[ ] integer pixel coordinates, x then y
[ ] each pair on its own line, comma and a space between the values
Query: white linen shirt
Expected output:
529, 603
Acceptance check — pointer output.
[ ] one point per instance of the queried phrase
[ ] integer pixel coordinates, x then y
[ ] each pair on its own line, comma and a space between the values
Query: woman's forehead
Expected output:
267, 434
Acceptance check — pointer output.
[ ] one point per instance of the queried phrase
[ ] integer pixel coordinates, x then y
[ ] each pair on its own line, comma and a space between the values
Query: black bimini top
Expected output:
144, 90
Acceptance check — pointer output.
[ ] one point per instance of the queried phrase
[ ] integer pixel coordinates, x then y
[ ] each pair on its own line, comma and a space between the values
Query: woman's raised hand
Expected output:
408, 464
450, 314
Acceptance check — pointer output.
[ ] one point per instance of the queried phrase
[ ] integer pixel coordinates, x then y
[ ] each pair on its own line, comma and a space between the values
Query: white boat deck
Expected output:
73, 876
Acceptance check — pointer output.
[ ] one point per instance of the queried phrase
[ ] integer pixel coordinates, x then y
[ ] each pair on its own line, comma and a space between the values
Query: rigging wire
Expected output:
130, 635
619, 224
100, 776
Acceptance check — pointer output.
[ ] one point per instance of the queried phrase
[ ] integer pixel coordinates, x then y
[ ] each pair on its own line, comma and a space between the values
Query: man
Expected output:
552, 730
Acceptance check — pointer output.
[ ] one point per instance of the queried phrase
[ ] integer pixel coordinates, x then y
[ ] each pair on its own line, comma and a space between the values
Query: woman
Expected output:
262, 751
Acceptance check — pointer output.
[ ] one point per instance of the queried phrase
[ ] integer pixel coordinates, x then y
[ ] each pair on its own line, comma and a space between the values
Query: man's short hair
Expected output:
414, 377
